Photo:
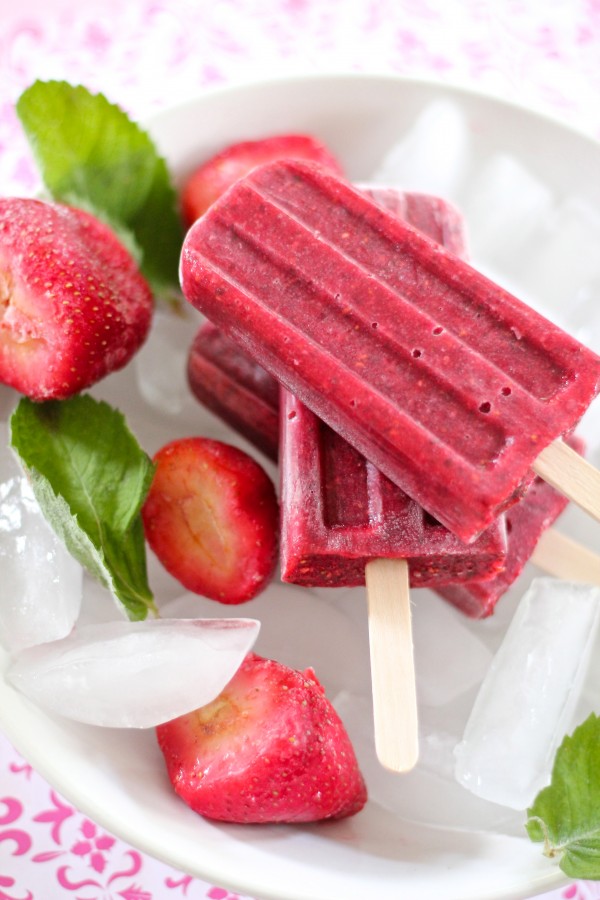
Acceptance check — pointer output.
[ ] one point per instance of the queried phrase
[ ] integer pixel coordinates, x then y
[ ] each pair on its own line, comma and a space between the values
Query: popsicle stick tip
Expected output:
564, 558
392, 664
397, 762
572, 475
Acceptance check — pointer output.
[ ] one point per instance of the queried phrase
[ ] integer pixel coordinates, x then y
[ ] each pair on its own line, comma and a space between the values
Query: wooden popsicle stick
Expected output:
564, 558
568, 472
392, 664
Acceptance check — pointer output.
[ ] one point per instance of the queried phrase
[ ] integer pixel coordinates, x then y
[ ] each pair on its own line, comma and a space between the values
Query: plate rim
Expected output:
456, 87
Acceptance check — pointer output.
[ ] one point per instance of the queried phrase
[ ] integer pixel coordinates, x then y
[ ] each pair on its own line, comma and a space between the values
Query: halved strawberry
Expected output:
212, 518
270, 748
73, 304
213, 177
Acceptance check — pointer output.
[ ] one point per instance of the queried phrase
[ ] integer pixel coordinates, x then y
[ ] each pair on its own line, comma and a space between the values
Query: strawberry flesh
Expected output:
270, 748
208, 181
212, 518
73, 305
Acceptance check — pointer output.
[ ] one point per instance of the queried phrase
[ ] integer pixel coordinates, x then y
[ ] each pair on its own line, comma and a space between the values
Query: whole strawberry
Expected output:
73, 305
270, 748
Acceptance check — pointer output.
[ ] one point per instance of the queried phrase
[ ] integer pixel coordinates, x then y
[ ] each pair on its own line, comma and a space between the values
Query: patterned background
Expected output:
146, 54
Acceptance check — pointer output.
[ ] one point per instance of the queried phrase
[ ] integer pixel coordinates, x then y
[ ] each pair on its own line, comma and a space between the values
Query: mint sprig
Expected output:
90, 478
565, 816
91, 154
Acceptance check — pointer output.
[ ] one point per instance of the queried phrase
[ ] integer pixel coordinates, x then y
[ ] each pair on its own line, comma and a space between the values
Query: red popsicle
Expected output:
447, 383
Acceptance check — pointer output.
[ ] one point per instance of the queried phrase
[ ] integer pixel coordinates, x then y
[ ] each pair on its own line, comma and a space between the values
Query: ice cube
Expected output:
507, 205
564, 262
134, 674
432, 157
161, 364
443, 645
41, 582
286, 634
526, 702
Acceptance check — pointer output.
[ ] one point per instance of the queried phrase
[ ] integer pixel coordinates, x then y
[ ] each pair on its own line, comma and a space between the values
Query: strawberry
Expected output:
212, 178
73, 305
212, 518
270, 748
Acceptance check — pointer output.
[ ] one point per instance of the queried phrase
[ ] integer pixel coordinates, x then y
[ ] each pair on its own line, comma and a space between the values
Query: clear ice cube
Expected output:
526, 702
562, 268
134, 674
286, 613
564, 264
432, 156
41, 589
161, 364
509, 205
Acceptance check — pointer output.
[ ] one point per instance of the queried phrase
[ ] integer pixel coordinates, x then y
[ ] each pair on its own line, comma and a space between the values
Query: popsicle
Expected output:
451, 386
344, 523
529, 537
230, 384
318, 549
237, 389
434, 216
338, 512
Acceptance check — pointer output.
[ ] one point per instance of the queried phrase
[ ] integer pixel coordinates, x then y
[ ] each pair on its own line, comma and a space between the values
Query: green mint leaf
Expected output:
90, 153
90, 478
566, 814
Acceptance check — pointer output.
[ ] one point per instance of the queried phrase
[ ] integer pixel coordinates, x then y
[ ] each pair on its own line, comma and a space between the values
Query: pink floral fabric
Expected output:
541, 53
48, 850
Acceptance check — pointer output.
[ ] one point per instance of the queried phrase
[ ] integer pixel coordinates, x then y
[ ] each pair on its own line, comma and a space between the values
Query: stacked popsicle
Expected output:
338, 511
239, 390
529, 531
230, 384
447, 383
385, 335
343, 523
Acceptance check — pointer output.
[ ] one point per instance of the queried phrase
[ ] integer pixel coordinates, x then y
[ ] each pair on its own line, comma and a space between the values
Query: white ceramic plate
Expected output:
530, 191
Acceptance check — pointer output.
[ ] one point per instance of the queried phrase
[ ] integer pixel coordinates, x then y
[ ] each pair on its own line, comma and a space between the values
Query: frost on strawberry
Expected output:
73, 305
212, 518
269, 748
209, 180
